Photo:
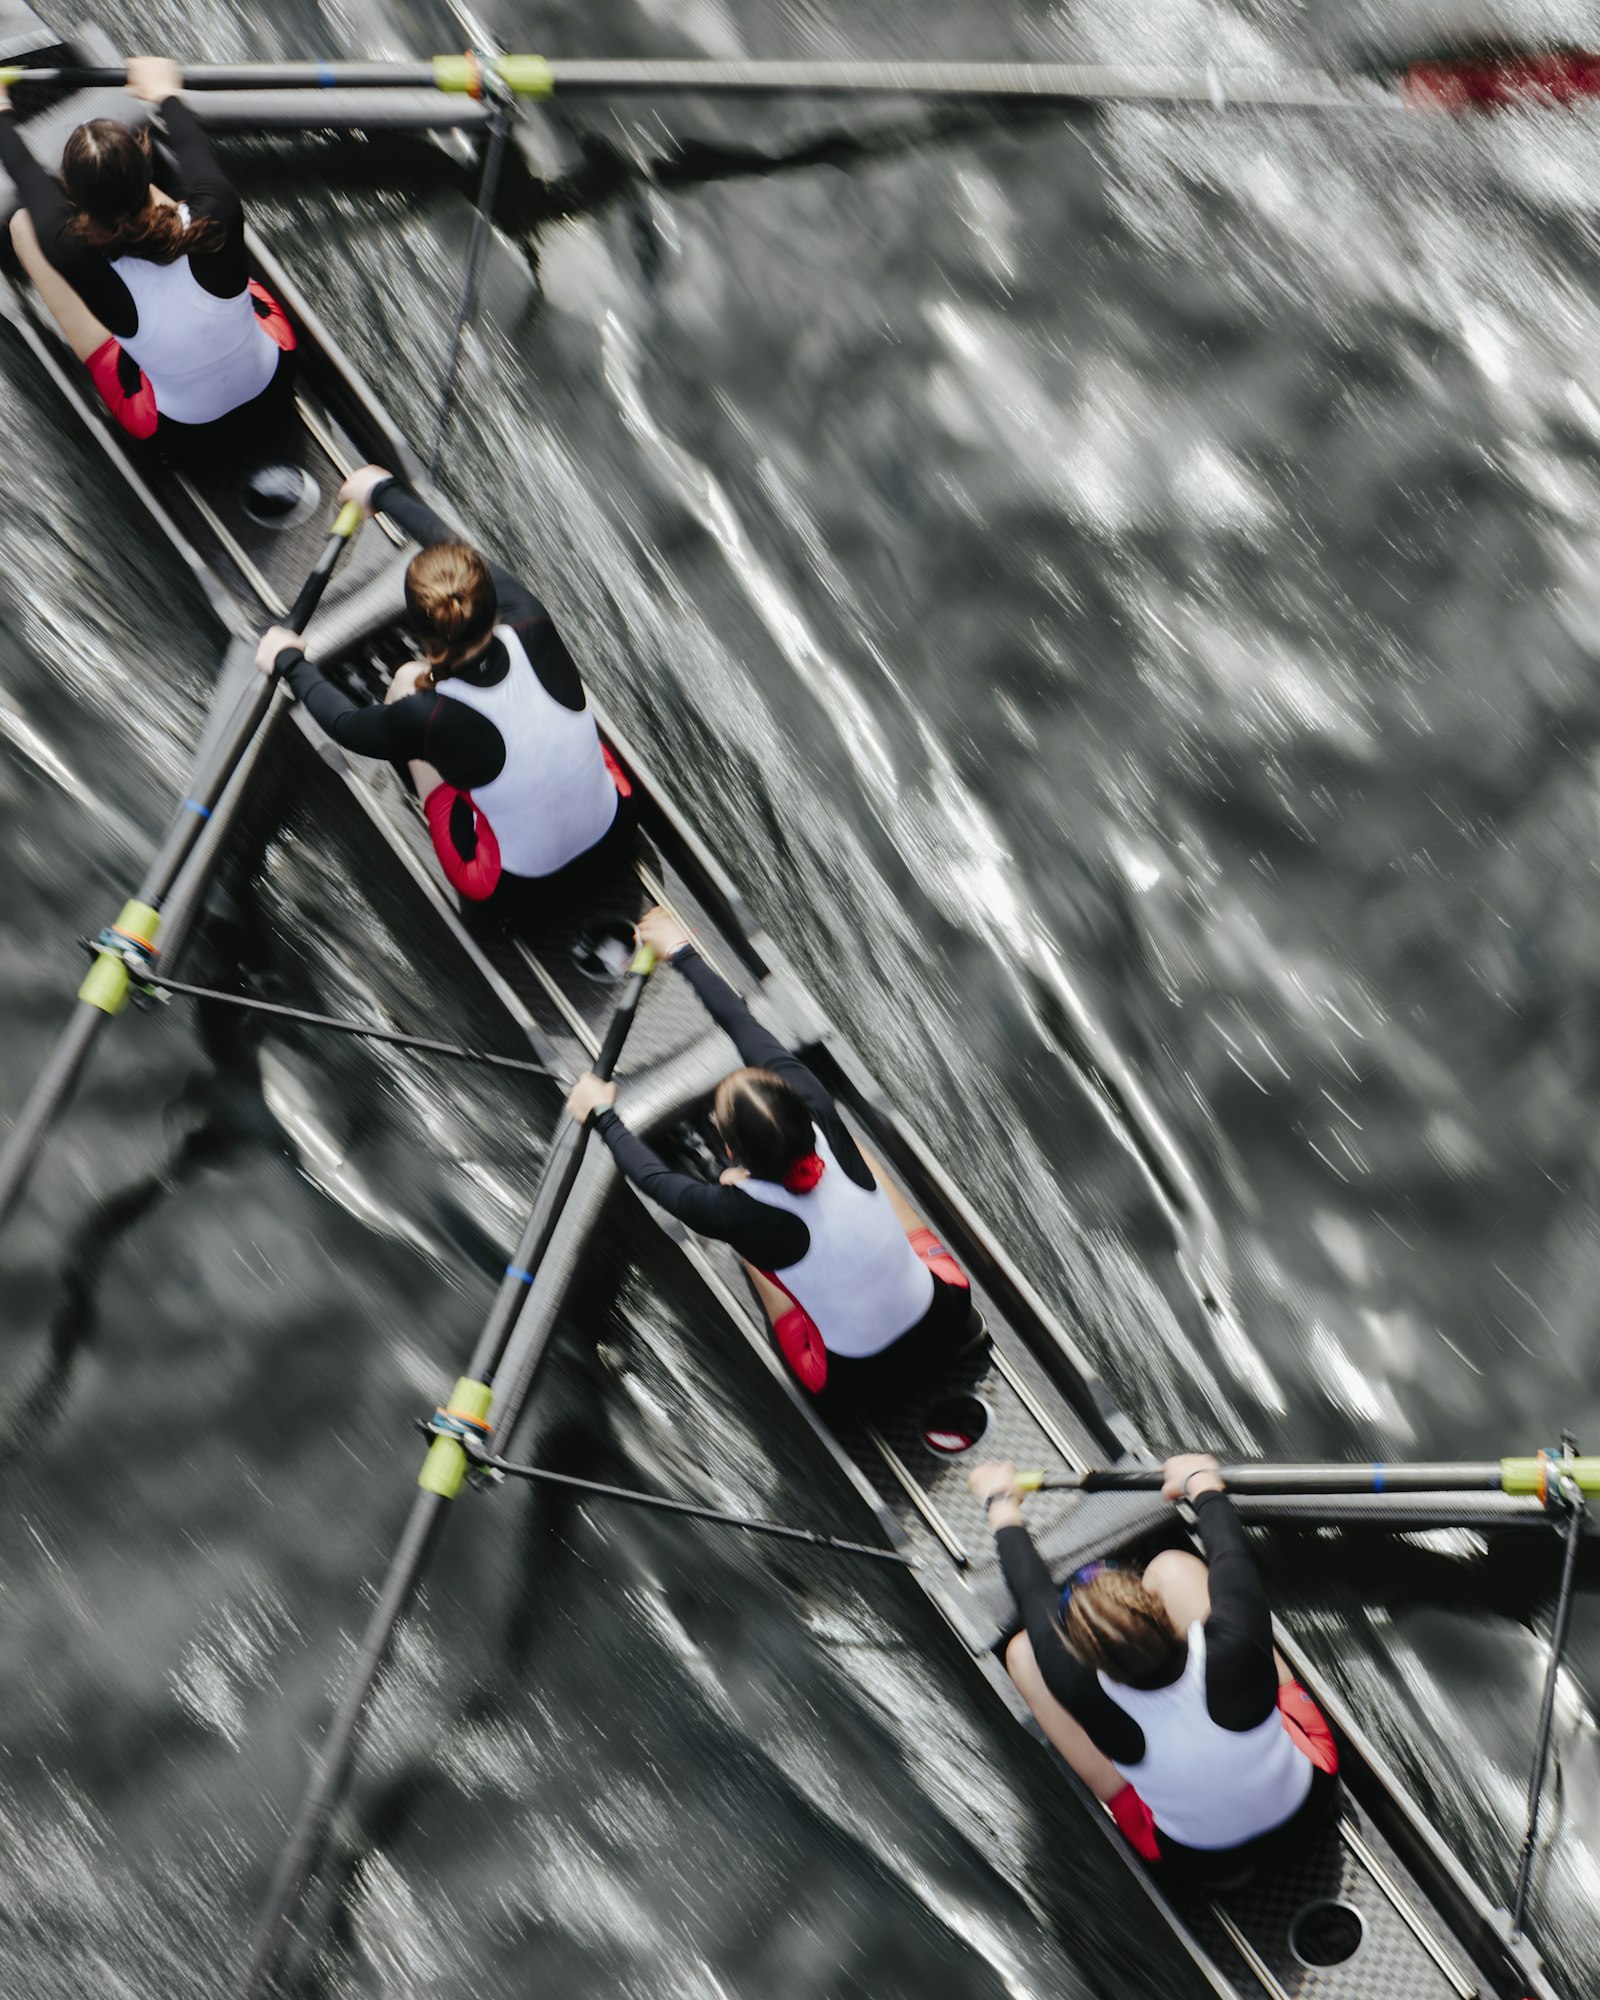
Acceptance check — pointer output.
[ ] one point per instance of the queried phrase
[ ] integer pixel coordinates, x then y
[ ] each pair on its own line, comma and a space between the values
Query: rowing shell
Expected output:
1375, 1906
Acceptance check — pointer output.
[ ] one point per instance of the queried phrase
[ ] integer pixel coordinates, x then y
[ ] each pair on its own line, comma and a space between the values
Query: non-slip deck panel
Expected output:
1251, 1932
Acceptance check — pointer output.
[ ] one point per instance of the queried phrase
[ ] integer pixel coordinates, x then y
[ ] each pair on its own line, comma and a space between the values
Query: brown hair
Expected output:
1121, 1629
764, 1122
105, 169
451, 597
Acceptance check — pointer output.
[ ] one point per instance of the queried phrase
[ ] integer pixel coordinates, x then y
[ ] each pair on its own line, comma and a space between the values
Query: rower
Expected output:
532, 818
1165, 1693
150, 289
864, 1302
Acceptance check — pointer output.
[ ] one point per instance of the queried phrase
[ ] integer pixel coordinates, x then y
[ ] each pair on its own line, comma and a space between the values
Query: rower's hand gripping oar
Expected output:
105, 990
1541, 1476
443, 1474
1483, 82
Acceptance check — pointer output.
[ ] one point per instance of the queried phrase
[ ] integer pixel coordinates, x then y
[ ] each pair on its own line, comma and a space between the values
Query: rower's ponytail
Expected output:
766, 1126
105, 169
451, 598
1122, 1630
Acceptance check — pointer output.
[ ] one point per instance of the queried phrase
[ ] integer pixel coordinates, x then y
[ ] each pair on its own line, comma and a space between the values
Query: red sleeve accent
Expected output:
1137, 1823
475, 878
125, 390
938, 1258
273, 318
801, 1346
619, 777
1308, 1727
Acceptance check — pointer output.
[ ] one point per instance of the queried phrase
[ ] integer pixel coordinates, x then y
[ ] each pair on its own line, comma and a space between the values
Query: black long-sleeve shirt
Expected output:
1241, 1673
464, 747
223, 271
770, 1238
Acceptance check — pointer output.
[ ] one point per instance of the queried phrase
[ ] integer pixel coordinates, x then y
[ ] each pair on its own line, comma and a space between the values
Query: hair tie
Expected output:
804, 1174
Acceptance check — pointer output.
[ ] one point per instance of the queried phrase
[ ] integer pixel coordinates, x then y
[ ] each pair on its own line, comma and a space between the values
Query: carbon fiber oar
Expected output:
1539, 1477
1550, 76
444, 1473
104, 992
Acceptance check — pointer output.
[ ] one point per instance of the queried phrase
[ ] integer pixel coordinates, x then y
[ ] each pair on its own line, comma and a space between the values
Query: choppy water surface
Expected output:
1118, 594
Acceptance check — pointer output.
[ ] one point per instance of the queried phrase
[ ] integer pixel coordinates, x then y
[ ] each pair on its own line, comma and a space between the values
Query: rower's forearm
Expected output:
764, 1237
411, 512
757, 1045
369, 729
200, 172
1239, 1657
1038, 1601
643, 1165
41, 196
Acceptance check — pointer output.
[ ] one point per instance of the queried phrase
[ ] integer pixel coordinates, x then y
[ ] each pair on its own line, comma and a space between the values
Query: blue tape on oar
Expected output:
194, 806
327, 76
516, 1271
1377, 1479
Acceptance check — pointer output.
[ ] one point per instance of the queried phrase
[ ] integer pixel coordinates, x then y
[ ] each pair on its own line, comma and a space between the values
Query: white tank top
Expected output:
1207, 1786
860, 1281
554, 797
204, 356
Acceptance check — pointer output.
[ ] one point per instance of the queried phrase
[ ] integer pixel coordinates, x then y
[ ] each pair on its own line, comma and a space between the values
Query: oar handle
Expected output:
1539, 1475
524, 76
643, 964
346, 522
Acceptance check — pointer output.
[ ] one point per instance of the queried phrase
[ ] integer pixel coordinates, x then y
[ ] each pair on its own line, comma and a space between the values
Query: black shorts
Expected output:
860, 1384
599, 884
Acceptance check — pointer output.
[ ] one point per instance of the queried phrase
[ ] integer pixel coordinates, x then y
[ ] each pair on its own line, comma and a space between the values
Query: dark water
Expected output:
1120, 595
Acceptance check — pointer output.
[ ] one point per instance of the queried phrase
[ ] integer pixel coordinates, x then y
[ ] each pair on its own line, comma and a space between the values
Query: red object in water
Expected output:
1491, 83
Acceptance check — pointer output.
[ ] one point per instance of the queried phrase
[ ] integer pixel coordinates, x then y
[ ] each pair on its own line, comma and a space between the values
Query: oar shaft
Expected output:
51, 1089
1547, 1710
561, 1171
1529, 1475
105, 988
1062, 83
692, 1510
1549, 77
442, 1477
245, 76
534, 76
305, 1839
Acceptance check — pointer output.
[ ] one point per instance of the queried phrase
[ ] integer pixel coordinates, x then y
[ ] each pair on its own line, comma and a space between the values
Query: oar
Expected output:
104, 991
1539, 1477
1559, 76
444, 1473
487, 1461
